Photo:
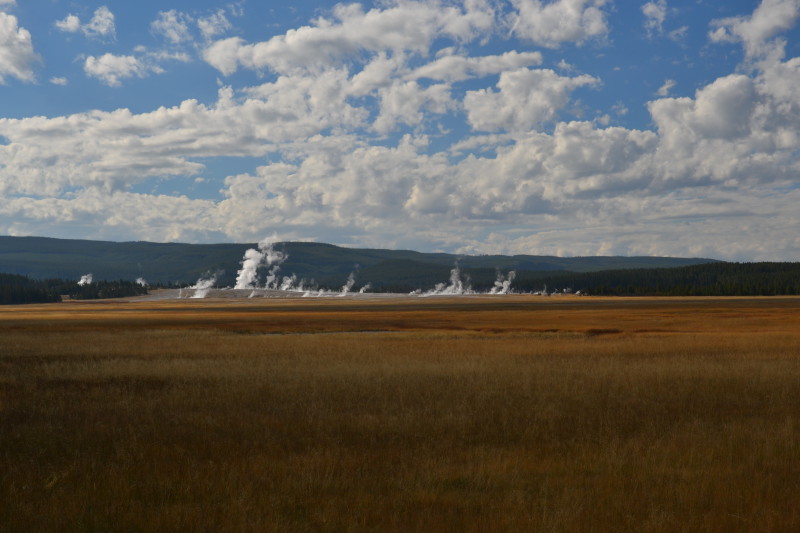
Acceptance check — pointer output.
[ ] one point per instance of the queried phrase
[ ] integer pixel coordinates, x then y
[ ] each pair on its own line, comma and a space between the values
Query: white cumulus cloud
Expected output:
769, 19
552, 24
666, 88
173, 25
17, 56
102, 24
655, 13
214, 24
112, 69
525, 100
70, 24
409, 26
452, 68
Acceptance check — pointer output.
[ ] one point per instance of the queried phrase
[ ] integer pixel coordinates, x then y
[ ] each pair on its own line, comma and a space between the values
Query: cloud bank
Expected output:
352, 120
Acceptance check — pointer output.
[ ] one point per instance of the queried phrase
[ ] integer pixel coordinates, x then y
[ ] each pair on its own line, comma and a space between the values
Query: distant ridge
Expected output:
326, 264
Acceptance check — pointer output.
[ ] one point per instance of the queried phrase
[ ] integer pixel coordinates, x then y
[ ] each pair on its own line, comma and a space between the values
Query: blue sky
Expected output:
563, 127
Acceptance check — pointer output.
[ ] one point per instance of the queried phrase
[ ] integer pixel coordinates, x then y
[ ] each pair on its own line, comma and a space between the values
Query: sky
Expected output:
546, 127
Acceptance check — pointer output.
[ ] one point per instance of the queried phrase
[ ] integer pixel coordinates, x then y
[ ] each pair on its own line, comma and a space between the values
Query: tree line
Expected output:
18, 289
709, 279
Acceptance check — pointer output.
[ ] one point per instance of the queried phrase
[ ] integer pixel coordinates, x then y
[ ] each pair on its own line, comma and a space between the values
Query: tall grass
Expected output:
600, 424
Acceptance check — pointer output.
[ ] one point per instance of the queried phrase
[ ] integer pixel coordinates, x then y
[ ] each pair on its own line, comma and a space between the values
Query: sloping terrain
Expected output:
41, 258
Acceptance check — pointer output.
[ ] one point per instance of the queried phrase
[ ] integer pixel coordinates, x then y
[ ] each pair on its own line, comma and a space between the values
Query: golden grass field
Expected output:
513, 413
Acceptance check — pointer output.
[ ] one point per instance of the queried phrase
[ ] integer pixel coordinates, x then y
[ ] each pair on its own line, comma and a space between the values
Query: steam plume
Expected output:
266, 255
142, 282
86, 279
456, 286
288, 282
272, 277
351, 280
203, 285
502, 284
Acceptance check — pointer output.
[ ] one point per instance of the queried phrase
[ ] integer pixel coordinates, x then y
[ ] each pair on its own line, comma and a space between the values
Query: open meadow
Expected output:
513, 413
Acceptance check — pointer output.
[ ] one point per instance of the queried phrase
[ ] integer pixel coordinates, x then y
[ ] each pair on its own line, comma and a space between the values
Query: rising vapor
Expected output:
455, 287
203, 286
266, 256
502, 284
348, 286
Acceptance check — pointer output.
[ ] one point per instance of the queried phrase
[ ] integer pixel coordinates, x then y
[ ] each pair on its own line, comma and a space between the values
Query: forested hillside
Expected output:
325, 264
713, 279
41, 269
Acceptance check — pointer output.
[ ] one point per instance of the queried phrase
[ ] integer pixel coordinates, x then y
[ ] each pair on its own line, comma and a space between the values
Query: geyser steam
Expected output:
503, 284
203, 285
456, 286
86, 279
348, 286
266, 255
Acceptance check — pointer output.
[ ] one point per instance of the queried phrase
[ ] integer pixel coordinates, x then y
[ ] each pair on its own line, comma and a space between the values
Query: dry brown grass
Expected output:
487, 414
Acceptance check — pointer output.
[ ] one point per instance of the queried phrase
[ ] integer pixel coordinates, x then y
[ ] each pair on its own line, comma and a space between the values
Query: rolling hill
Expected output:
325, 264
